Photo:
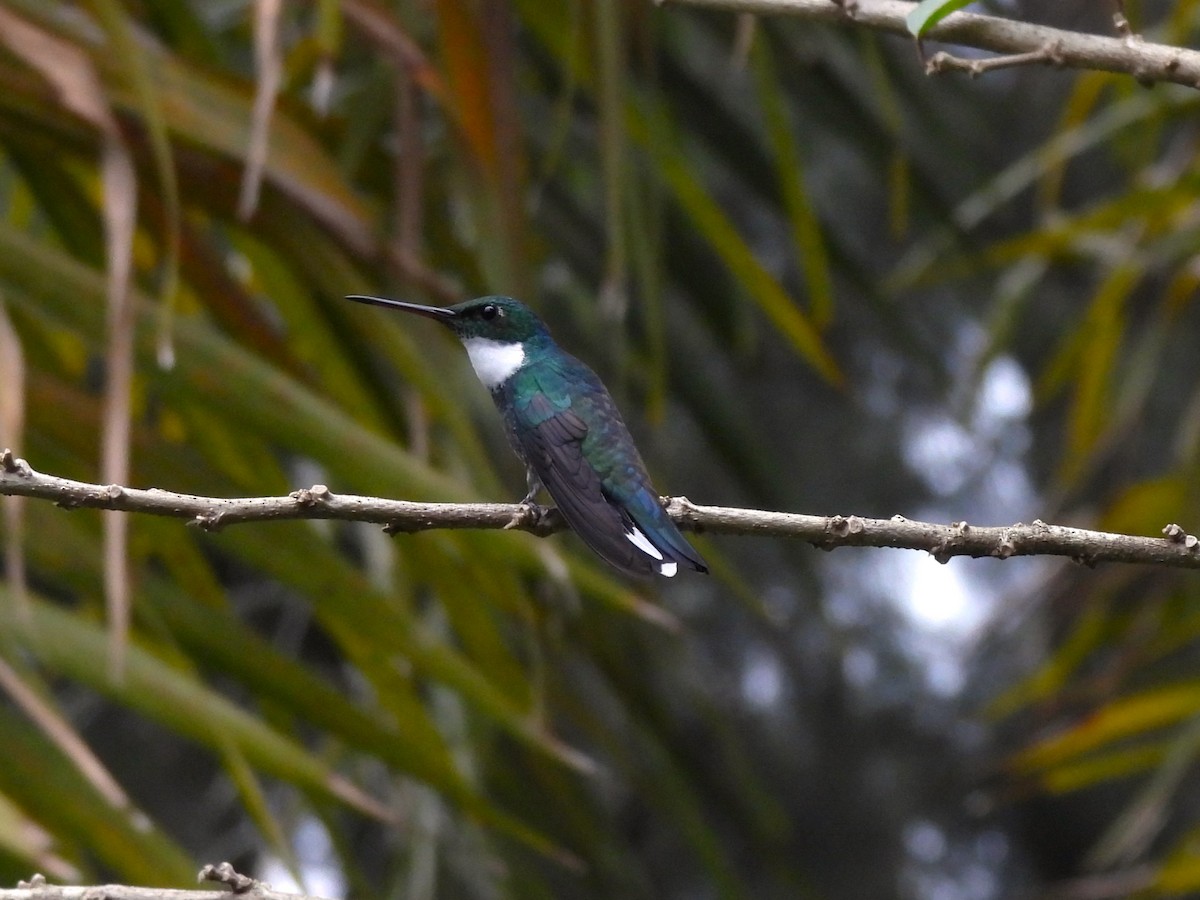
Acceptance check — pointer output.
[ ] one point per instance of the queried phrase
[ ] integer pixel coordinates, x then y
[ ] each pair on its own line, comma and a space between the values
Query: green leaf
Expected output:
1062, 663
65, 644
49, 789
1125, 717
716, 228
806, 226
1179, 873
928, 13
25, 840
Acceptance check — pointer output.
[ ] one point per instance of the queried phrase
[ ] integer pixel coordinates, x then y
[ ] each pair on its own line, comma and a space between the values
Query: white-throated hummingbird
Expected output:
562, 422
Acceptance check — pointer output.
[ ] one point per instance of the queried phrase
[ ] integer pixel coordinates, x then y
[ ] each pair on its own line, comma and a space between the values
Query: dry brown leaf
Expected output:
381, 26
12, 429
81, 90
269, 62
120, 214
64, 736
61, 63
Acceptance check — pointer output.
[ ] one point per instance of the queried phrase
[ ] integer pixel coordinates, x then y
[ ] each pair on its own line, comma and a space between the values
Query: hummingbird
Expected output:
562, 422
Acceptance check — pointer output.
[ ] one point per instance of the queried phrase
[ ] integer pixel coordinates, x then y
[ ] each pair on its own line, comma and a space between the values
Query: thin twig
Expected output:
1148, 62
944, 62
1176, 548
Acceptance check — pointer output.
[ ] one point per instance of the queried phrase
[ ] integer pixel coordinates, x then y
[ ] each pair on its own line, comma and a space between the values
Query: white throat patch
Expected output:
494, 361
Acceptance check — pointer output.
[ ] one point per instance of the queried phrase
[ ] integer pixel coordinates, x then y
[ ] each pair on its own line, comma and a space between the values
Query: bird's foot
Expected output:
527, 515
534, 484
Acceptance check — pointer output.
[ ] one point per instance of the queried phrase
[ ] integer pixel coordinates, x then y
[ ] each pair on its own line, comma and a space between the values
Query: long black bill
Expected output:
441, 313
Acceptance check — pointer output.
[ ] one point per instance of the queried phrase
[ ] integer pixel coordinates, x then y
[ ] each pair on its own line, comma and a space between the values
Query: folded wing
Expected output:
632, 532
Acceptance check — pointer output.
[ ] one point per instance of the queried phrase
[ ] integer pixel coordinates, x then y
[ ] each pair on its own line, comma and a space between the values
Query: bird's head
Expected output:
500, 319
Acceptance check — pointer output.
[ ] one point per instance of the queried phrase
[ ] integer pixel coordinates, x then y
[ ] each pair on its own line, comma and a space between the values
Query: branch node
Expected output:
1054, 54
113, 492
939, 62
37, 880
14, 465
683, 511
899, 518
961, 528
313, 496
1175, 533
207, 521
1007, 547
224, 873
942, 552
679, 506
526, 517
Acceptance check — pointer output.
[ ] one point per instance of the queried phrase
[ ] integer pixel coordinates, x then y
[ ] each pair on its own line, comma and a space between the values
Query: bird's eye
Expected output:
490, 311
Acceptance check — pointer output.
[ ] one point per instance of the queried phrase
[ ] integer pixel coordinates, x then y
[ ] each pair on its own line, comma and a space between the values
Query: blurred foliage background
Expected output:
815, 280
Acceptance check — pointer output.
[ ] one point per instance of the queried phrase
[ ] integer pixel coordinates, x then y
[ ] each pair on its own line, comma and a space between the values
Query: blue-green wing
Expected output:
573, 449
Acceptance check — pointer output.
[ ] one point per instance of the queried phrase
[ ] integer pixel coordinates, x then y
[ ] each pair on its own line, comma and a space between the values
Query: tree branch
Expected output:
1024, 43
36, 888
1177, 548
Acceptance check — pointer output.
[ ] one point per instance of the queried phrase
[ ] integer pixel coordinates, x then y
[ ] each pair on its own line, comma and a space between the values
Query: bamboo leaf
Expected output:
1124, 717
1101, 767
66, 644
1101, 333
1130, 833
719, 232
211, 114
269, 62
806, 227
35, 779
1064, 662
24, 839
12, 434
255, 801
136, 65
81, 91
1180, 871
928, 13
